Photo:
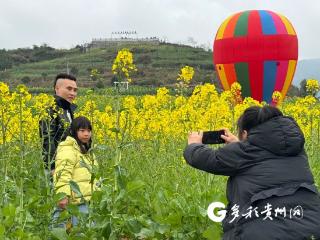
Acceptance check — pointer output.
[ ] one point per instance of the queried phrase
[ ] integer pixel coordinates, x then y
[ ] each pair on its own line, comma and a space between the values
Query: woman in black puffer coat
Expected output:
269, 170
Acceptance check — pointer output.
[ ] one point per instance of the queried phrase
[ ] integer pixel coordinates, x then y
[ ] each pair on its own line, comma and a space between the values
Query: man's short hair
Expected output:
64, 76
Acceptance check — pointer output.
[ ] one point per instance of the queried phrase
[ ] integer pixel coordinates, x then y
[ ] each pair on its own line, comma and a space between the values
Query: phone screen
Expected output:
213, 137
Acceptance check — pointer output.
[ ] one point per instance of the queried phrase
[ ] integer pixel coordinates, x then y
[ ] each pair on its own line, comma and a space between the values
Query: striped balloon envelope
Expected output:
259, 50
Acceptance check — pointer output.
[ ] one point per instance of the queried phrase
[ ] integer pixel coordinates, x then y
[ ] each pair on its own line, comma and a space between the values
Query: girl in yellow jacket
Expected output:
72, 162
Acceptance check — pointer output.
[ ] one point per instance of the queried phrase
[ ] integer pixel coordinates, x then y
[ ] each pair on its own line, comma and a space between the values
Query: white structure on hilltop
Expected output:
123, 37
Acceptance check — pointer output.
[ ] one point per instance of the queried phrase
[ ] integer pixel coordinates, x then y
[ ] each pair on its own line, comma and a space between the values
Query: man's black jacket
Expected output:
54, 129
269, 167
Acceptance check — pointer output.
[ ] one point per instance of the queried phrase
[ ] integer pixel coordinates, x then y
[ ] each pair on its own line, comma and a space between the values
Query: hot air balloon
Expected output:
258, 49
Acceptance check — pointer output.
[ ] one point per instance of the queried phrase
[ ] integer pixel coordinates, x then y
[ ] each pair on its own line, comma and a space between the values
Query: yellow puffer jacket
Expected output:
69, 167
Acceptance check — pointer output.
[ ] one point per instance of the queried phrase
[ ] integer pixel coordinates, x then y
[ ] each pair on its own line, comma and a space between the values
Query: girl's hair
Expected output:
255, 115
81, 123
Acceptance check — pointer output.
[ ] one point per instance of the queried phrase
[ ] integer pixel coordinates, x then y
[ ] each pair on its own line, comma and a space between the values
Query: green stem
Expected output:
318, 132
3, 150
91, 185
49, 191
22, 150
118, 147
3, 129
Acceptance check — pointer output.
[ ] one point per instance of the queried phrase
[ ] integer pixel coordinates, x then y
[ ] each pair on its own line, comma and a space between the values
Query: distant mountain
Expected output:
308, 68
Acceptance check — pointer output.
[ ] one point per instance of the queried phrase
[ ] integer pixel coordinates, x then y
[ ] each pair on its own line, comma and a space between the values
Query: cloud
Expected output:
64, 24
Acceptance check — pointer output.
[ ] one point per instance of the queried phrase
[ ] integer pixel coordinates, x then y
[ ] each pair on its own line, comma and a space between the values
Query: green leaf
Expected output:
8, 221
29, 217
202, 211
135, 185
85, 165
124, 145
64, 215
106, 231
157, 207
115, 130
9, 211
123, 109
59, 196
120, 176
212, 233
19, 234
133, 225
75, 188
59, 233
162, 198
73, 209
161, 228
121, 195
2, 230
101, 147
174, 219
145, 232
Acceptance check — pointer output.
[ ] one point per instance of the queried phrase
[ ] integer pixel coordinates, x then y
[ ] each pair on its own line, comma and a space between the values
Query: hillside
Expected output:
157, 65
307, 68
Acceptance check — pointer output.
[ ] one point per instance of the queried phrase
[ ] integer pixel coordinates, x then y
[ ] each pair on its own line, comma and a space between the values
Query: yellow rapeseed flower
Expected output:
123, 64
186, 74
276, 97
312, 86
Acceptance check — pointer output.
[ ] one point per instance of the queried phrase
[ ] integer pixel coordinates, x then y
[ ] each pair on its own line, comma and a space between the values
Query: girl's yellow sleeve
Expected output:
66, 159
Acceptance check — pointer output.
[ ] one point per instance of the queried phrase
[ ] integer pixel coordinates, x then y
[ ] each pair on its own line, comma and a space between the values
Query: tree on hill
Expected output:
303, 88
44, 76
25, 79
293, 91
5, 60
74, 70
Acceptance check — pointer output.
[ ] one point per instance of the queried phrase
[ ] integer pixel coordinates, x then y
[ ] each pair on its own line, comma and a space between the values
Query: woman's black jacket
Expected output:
269, 167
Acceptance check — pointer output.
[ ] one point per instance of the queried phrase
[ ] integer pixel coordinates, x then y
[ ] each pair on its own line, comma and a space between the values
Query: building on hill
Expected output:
108, 42
124, 37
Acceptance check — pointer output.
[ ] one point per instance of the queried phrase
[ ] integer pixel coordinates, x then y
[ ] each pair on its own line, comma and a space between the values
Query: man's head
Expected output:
65, 86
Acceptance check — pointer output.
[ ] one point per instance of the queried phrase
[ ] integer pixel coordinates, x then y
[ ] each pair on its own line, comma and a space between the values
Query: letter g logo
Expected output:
221, 213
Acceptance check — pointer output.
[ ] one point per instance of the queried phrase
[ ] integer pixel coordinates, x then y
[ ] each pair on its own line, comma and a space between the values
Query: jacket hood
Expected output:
61, 102
280, 135
70, 141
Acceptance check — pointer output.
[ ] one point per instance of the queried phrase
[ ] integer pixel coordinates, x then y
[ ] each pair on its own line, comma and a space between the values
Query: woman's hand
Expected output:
195, 137
63, 203
229, 137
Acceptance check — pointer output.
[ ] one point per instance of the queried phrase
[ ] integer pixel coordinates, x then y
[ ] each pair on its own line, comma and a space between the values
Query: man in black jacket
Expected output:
271, 191
53, 130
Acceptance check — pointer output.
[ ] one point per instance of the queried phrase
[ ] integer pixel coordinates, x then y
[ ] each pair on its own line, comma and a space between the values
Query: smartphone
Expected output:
213, 137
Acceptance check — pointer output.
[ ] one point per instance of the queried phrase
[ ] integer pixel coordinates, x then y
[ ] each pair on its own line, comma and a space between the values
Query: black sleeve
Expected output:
222, 161
47, 133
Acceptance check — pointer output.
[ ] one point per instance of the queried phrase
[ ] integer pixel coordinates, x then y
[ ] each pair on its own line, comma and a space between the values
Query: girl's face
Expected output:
84, 135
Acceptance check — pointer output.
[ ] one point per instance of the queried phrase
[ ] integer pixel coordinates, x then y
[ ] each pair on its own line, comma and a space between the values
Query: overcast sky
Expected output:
66, 23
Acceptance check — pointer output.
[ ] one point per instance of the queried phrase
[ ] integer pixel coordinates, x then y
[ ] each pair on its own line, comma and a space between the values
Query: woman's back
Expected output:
271, 190
273, 173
